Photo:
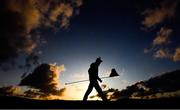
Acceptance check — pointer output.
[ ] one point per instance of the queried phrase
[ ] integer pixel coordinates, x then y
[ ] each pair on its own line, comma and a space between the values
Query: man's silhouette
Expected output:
93, 77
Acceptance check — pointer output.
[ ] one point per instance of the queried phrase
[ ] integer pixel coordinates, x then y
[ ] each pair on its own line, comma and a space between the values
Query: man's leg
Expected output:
99, 90
90, 87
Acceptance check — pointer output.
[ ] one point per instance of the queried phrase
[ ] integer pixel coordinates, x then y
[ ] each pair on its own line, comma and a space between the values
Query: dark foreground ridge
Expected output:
23, 103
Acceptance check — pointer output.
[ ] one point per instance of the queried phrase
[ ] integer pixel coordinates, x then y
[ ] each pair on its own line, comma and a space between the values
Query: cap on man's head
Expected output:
99, 60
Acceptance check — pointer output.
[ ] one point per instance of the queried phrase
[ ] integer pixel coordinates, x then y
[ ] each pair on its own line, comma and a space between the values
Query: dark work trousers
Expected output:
94, 83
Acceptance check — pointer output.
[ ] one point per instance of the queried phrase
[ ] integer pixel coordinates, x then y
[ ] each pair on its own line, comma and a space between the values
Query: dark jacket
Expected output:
93, 72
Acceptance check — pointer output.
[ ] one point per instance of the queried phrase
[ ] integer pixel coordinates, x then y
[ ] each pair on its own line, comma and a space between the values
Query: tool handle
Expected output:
76, 82
83, 81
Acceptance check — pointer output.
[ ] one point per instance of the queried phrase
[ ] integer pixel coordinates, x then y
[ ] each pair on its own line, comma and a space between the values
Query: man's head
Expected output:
98, 60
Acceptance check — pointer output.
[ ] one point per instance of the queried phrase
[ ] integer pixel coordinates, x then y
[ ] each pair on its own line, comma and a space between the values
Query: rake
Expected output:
112, 74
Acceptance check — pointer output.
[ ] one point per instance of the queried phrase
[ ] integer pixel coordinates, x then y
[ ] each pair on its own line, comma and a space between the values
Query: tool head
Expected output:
113, 73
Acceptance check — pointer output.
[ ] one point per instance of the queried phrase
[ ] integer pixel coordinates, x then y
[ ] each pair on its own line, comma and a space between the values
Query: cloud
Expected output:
21, 21
165, 85
10, 90
157, 15
161, 86
64, 10
161, 54
173, 94
162, 46
103, 86
32, 93
32, 59
176, 56
111, 94
162, 36
45, 78
36, 94
42, 84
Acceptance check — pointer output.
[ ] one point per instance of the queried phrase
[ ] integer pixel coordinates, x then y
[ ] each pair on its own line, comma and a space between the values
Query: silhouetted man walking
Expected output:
93, 77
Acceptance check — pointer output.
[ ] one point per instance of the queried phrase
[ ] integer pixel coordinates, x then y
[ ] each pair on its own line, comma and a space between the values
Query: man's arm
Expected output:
99, 79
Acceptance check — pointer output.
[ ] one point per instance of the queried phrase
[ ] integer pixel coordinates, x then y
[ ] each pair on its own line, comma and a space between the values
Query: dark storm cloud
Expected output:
42, 83
162, 86
45, 78
161, 45
20, 19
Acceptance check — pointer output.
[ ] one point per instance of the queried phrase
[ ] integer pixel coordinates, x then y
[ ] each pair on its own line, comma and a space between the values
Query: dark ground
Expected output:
22, 103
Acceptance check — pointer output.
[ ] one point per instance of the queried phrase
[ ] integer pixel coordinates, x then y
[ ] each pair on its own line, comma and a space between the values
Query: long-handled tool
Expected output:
112, 74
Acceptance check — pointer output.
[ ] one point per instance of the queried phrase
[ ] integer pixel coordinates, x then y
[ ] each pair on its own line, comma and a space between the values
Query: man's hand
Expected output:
99, 79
